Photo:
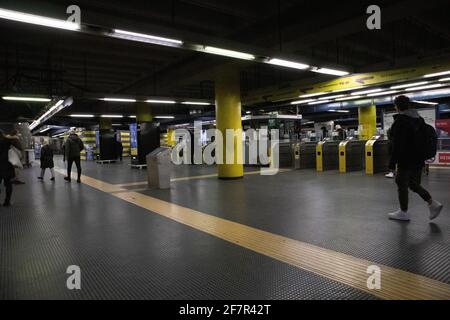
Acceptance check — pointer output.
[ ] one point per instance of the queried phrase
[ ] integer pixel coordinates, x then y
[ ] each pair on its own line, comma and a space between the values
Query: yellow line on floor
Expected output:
343, 268
206, 176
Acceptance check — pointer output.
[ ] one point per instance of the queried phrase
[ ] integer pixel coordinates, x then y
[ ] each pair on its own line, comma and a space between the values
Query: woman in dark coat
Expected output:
47, 162
6, 168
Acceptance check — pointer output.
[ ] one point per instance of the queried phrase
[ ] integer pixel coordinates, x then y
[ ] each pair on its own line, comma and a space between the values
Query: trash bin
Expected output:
158, 168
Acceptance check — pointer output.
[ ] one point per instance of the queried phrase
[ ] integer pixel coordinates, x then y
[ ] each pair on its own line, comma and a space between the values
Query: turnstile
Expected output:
308, 155
377, 155
351, 155
327, 155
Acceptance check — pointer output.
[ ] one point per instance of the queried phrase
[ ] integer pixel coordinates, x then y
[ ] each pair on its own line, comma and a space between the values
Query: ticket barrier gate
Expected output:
307, 155
377, 155
351, 155
327, 155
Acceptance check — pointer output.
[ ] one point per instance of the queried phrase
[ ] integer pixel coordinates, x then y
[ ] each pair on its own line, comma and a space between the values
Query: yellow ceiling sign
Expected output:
296, 89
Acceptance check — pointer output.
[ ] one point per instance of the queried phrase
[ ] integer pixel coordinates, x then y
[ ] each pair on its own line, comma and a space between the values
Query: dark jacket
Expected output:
403, 152
6, 168
73, 147
47, 157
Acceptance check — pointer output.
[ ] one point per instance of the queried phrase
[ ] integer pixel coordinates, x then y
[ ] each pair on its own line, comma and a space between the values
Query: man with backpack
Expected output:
413, 142
72, 149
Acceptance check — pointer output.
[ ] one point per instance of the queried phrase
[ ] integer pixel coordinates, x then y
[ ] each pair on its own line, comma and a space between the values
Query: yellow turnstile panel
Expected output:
319, 156
369, 157
343, 157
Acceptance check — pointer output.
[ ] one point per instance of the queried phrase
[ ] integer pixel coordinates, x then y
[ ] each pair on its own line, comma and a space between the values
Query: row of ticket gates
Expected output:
346, 156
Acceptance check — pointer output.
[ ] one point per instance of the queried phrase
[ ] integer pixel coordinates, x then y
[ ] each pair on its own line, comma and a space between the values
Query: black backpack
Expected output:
425, 140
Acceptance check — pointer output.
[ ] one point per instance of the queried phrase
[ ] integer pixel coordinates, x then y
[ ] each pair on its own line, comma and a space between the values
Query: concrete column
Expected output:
228, 116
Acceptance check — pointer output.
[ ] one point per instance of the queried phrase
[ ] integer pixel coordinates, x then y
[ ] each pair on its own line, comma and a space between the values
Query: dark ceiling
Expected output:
42, 61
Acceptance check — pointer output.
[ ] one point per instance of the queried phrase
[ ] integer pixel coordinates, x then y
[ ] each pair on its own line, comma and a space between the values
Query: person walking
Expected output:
17, 147
47, 161
408, 160
72, 149
119, 150
6, 168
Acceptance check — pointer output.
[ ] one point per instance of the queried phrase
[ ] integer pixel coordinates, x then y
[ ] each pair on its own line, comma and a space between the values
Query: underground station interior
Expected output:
229, 150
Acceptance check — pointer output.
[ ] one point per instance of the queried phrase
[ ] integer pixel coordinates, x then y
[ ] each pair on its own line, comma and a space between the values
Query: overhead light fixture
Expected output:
339, 111
229, 53
384, 93
111, 116
133, 117
288, 64
248, 112
402, 86
309, 95
349, 98
38, 20
303, 101
358, 93
26, 99
426, 102
196, 103
431, 86
161, 101
330, 71
82, 115
432, 75
118, 100
57, 107
333, 97
44, 130
164, 117
147, 38
444, 79
319, 102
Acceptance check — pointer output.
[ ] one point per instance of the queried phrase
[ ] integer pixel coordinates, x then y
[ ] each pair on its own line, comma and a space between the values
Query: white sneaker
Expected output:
400, 215
390, 175
435, 209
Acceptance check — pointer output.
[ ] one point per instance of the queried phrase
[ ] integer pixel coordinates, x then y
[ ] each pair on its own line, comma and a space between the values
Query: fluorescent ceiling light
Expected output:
111, 116
358, 93
330, 71
384, 93
349, 98
431, 86
44, 130
82, 115
313, 95
248, 112
288, 64
58, 106
118, 100
134, 117
147, 38
444, 79
161, 101
426, 102
339, 111
196, 103
432, 75
164, 117
27, 99
39, 20
319, 102
229, 53
333, 97
410, 85
303, 101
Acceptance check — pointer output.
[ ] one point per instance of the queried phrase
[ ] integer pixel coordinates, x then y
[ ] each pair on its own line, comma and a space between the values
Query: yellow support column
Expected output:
228, 116
368, 122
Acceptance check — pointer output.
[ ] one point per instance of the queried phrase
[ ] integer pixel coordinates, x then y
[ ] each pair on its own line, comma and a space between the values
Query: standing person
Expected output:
408, 159
47, 161
14, 135
6, 168
72, 149
119, 150
341, 133
391, 173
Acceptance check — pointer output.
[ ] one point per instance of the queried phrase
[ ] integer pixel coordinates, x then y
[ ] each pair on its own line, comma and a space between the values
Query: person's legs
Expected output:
41, 177
9, 189
78, 164
52, 172
402, 180
415, 179
69, 169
